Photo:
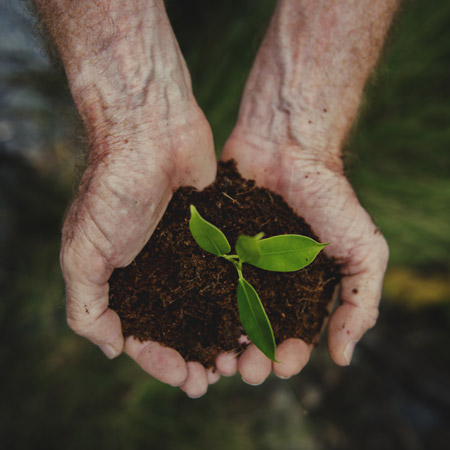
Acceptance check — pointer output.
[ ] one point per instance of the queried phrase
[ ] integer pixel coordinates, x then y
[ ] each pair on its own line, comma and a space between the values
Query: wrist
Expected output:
280, 136
305, 87
267, 122
152, 113
268, 161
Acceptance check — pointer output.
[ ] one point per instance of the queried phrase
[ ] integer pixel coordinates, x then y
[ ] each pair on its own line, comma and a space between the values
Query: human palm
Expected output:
317, 190
122, 196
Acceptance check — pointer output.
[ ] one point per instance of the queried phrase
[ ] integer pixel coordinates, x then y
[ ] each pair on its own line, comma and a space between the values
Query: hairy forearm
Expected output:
306, 84
121, 59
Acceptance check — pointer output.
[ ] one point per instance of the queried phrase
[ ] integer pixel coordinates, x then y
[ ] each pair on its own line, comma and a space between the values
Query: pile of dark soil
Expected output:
185, 298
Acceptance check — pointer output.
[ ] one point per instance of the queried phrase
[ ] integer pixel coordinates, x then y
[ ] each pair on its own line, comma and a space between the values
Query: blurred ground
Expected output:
58, 391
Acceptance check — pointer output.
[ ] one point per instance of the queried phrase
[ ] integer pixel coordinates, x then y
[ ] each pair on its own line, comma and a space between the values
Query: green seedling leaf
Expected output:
254, 319
247, 247
208, 236
286, 253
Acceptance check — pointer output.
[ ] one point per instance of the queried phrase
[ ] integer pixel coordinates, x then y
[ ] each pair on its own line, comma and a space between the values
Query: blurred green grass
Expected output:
58, 391
402, 140
219, 41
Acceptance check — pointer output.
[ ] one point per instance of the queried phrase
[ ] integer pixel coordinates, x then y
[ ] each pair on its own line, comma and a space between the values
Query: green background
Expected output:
58, 391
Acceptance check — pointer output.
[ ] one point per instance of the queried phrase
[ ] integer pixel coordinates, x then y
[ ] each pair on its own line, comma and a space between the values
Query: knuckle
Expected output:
80, 327
75, 325
69, 258
64, 256
383, 249
371, 317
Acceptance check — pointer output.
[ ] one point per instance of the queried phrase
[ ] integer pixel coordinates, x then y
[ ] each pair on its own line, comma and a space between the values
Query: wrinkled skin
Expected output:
120, 203
299, 102
322, 195
122, 197
148, 137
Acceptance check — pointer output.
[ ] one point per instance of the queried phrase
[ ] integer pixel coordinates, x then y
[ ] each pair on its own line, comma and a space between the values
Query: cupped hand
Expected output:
314, 185
124, 192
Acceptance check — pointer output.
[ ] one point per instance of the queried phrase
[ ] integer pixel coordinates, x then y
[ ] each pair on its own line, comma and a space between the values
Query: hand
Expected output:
147, 135
122, 196
299, 102
318, 191
132, 90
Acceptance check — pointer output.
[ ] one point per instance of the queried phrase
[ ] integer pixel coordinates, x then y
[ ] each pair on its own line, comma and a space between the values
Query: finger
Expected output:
213, 375
254, 366
163, 363
293, 355
196, 383
227, 364
86, 277
360, 296
104, 331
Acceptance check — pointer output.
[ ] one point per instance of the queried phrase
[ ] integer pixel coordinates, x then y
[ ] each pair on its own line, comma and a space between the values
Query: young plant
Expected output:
284, 253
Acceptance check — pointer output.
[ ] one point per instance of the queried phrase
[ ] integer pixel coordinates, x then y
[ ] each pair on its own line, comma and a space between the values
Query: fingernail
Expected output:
194, 397
348, 352
281, 377
108, 350
252, 384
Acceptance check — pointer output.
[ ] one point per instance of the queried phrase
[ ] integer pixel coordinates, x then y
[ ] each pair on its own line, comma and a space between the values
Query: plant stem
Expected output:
237, 263
230, 257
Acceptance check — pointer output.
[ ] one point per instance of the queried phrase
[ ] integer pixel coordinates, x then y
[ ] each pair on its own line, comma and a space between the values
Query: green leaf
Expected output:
286, 253
247, 247
208, 236
254, 319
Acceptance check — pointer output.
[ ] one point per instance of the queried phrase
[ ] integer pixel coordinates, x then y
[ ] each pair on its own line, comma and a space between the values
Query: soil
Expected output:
185, 298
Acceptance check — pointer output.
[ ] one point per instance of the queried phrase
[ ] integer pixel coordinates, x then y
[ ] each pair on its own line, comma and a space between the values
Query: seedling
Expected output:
284, 253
